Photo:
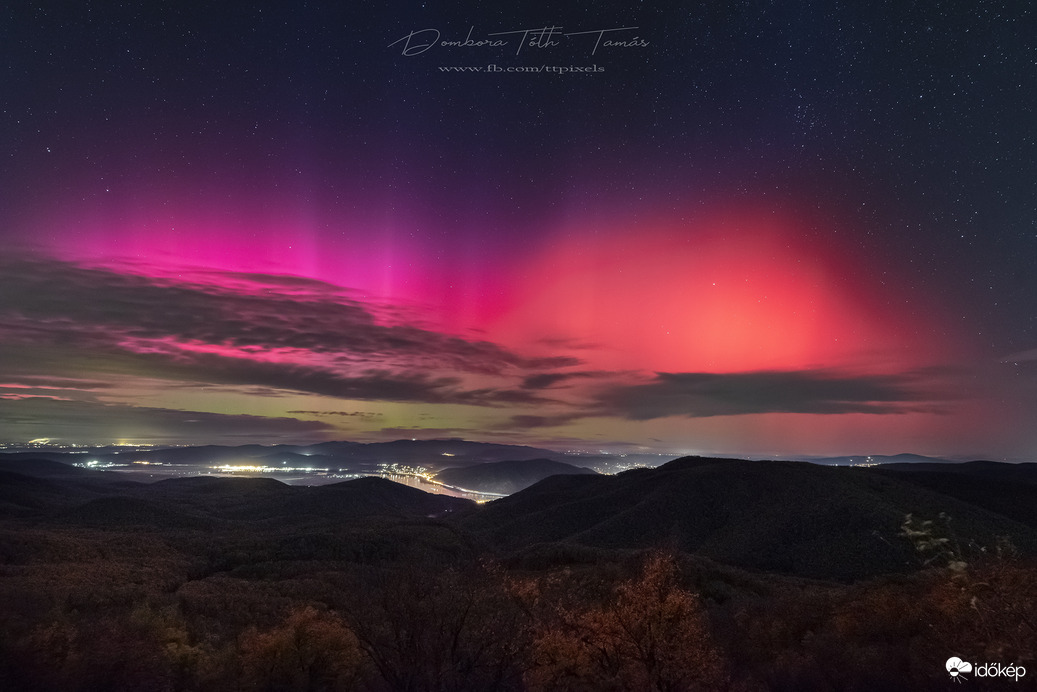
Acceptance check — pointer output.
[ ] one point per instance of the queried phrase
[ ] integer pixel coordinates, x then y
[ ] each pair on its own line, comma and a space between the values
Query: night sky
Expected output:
756, 228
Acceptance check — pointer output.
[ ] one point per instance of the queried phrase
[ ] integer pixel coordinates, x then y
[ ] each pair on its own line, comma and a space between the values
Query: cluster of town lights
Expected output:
231, 468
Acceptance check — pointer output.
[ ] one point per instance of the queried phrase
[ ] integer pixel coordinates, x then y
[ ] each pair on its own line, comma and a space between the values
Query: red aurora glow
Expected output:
717, 296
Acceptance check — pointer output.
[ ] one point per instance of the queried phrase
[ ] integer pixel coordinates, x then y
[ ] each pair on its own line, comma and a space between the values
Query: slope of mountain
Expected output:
1018, 473
1008, 489
26, 495
372, 497
37, 486
790, 517
40, 467
80, 498
129, 512
261, 502
226, 498
506, 477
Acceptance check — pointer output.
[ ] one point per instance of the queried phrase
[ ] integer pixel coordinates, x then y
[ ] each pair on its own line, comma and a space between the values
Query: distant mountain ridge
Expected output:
429, 453
507, 477
91, 498
868, 459
1008, 489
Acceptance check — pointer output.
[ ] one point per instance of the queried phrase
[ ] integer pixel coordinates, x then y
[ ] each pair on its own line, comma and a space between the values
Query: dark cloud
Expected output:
45, 297
347, 414
547, 380
53, 382
503, 396
284, 283
701, 395
543, 380
425, 433
1022, 356
566, 343
270, 334
215, 371
86, 422
528, 422
368, 385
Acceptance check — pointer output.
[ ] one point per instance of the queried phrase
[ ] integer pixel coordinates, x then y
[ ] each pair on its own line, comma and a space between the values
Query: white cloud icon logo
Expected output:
956, 666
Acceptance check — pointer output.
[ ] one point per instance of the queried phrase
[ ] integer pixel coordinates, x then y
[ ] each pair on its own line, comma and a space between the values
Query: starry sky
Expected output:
755, 228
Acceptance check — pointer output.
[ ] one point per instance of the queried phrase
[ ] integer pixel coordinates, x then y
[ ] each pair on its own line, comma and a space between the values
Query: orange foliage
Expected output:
651, 635
310, 650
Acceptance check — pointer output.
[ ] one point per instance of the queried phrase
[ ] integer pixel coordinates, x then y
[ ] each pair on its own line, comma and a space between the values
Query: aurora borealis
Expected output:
803, 228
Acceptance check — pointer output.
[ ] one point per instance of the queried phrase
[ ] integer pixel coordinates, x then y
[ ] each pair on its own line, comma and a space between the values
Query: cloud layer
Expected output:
95, 344
701, 395
252, 330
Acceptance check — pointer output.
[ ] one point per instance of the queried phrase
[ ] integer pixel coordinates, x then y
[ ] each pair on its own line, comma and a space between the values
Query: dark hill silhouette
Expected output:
47, 486
372, 496
206, 454
39, 467
129, 512
67, 494
295, 459
506, 477
267, 499
224, 497
215, 485
460, 450
433, 454
1008, 489
25, 495
790, 517
794, 518
997, 470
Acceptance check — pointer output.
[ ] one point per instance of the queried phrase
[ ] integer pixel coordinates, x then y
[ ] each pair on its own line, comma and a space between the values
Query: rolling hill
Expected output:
507, 477
793, 518
789, 517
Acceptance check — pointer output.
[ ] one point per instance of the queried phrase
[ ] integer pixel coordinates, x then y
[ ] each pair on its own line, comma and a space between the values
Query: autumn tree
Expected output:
650, 635
437, 629
311, 650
